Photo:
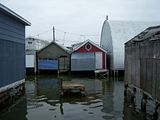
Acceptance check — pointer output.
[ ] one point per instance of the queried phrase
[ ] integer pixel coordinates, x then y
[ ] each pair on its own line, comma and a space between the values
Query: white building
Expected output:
35, 44
113, 36
31, 46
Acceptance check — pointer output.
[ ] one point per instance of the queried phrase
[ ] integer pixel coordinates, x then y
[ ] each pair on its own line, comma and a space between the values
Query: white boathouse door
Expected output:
98, 56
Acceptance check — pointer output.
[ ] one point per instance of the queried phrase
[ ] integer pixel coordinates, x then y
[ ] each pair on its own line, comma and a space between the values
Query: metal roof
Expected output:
115, 33
13, 14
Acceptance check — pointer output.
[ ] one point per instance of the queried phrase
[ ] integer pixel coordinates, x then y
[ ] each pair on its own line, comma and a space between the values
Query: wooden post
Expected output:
133, 99
117, 73
58, 72
37, 85
61, 88
143, 102
54, 35
157, 106
61, 107
125, 90
155, 114
37, 71
61, 82
114, 73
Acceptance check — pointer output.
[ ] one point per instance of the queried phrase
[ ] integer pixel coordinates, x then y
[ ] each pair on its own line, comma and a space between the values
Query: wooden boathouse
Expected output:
53, 57
142, 64
88, 56
12, 53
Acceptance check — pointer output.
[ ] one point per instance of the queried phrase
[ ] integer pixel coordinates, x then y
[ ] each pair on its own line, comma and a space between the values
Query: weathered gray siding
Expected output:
82, 62
57, 53
142, 66
11, 30
52, 51
64, 64
12, 50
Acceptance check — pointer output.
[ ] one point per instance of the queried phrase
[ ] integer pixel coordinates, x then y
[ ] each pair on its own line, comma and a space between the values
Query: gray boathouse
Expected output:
12, 51
142, 63
53, 57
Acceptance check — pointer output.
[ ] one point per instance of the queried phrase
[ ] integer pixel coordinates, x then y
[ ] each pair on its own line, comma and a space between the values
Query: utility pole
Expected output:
53, 34
107, 17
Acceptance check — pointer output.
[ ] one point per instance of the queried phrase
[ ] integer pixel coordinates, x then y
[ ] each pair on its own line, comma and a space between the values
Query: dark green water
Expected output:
104, 100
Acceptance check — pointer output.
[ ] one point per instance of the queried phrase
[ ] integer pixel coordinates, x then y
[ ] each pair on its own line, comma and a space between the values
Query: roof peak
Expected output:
85, 42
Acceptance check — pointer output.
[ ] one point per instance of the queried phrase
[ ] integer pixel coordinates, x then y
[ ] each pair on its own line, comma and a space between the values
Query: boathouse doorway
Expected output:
98, 57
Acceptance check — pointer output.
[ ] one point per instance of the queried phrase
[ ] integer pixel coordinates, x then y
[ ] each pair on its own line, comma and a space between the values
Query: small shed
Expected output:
53, 57
88, 56
142, 62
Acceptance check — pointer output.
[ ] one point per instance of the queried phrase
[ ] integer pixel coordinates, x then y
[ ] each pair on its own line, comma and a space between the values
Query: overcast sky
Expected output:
84, 17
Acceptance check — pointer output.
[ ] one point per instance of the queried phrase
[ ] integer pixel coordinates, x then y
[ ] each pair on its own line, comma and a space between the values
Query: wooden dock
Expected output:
68, 86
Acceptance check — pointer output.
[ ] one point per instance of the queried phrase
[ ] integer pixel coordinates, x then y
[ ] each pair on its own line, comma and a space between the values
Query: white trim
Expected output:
99, 60
12, 85
86, 46
89, 41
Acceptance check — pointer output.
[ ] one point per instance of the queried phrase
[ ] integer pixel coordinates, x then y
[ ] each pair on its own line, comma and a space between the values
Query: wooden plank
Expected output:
154, 78
158, 81
149, 73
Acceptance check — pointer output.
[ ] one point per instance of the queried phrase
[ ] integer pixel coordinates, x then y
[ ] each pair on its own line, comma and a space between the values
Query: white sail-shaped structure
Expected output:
113, 36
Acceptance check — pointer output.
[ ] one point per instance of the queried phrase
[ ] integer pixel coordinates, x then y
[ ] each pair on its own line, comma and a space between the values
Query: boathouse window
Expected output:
29, 42
88, 47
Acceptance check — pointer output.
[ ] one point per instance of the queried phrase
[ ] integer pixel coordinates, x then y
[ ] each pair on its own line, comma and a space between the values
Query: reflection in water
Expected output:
104, 100
17, 111
130, 111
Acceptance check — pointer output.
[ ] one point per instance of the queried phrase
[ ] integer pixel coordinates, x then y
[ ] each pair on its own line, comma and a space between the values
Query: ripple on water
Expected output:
90, 113
85, 110
52, 101
108, 116
36, 99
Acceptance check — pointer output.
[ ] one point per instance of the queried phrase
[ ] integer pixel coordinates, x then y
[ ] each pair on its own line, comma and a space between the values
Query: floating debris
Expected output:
68, 86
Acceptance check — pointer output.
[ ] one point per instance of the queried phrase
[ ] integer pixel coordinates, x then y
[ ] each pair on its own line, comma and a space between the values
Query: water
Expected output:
104, 100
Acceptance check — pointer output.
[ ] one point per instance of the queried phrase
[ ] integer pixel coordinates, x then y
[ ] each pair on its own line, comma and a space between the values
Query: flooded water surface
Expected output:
104, 100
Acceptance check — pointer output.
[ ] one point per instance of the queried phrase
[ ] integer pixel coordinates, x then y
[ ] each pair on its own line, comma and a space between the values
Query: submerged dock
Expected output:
101, 73
68, 86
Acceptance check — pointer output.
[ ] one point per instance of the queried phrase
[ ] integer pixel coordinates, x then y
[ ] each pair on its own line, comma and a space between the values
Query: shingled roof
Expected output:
151, 33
